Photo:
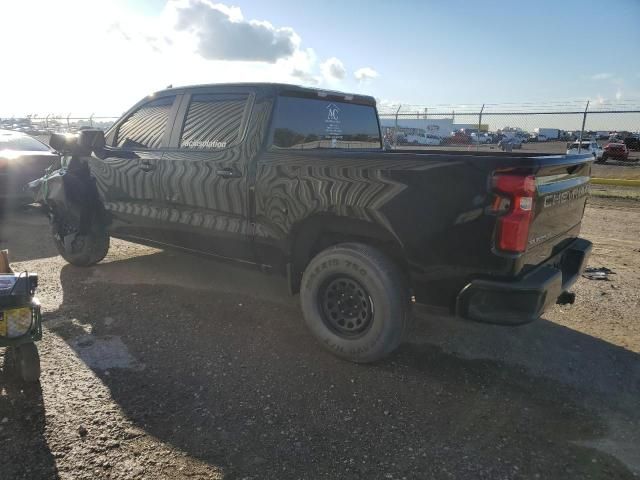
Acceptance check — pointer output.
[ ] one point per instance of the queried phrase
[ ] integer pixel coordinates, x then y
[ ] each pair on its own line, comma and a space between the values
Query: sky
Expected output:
100, 57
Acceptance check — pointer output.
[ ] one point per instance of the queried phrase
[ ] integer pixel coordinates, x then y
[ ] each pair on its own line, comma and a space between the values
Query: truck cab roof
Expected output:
281, 88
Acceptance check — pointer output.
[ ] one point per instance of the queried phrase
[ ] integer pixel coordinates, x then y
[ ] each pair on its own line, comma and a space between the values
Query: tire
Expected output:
374, 318
23, 362
84, 250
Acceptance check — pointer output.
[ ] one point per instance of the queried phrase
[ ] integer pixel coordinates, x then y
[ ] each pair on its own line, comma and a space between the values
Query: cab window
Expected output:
308, 123
213, 121
145, 127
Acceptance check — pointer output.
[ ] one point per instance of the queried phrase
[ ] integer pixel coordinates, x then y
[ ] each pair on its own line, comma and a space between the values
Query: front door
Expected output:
127, 175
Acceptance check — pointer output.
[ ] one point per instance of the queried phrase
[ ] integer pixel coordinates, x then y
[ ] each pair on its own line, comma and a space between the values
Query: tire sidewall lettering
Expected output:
351, 267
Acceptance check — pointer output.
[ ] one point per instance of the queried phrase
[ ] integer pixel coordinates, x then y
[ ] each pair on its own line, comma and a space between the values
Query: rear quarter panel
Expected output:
432, 205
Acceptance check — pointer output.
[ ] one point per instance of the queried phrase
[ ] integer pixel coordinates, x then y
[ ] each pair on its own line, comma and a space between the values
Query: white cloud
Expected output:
333, 69
619, 94
365, 74
223, 34
307, 78
145, 52
602, 76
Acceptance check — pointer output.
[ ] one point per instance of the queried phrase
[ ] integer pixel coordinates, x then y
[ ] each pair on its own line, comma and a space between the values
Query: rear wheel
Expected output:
355, 302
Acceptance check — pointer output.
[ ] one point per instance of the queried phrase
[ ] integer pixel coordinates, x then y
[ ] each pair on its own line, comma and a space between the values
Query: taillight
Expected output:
514, 205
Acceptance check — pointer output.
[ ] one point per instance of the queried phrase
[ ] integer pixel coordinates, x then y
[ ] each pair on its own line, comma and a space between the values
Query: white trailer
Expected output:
548, 133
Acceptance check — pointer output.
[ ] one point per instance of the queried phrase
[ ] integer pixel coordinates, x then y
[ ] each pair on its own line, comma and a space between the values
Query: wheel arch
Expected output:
314, 234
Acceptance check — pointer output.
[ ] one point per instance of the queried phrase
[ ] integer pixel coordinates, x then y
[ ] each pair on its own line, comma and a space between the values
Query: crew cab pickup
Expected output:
296, 181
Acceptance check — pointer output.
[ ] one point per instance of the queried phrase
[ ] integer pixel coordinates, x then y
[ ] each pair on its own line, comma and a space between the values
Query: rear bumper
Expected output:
524, 300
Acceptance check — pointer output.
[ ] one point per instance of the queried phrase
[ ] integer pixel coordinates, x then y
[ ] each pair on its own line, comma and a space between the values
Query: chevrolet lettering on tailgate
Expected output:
566, 196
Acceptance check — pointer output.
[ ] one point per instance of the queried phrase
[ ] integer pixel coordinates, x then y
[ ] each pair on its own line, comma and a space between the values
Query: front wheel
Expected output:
80, 249
355, 301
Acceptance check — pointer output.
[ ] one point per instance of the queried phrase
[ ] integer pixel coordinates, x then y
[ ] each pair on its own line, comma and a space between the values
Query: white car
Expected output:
480, 137
421, 138
588, 146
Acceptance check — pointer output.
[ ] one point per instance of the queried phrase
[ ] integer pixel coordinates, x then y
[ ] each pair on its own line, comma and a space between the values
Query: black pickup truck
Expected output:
296, 181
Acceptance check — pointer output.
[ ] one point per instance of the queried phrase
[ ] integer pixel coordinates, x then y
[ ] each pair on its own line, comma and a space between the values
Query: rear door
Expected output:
204, 174
127, 177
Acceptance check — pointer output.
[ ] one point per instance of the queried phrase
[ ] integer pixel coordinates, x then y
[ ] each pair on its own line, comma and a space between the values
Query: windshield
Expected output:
21, 143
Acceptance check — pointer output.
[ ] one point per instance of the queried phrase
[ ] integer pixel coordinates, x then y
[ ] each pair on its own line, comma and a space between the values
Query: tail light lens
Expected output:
514, 205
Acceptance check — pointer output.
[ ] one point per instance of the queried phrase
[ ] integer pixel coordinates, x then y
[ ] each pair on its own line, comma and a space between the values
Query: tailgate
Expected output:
562, 189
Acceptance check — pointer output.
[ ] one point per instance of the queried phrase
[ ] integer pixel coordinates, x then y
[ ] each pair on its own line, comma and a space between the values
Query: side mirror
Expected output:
91, 140
58, 141
87, 141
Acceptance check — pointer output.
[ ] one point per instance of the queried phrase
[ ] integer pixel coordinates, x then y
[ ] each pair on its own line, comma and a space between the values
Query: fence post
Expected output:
479, 123
68, 124
91, 120
395, 130
584, 120
46, 121
426, 115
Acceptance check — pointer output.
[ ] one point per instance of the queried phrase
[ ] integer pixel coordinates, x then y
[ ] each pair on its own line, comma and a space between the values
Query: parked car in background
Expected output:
22, 159
632, 142
421, 138
615, 151
480, 137
587, 146
510, 143
458, 138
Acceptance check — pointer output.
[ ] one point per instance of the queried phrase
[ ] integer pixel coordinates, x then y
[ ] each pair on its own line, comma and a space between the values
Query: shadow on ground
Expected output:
24, 453
215, 360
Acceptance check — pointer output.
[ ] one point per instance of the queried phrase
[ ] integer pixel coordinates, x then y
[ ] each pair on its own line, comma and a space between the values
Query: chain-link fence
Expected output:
42, 126
549, 128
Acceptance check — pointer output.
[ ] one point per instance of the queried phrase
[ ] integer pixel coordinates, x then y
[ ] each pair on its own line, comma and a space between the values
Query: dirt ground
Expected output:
162, 365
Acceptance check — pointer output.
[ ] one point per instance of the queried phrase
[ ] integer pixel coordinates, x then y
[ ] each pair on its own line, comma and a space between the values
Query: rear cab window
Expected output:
302, 123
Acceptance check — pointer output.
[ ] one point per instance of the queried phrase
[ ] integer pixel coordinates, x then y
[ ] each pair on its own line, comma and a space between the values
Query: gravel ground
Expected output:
162, 365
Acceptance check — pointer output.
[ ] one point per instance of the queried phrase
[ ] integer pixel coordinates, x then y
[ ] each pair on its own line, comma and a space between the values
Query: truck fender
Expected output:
314, 234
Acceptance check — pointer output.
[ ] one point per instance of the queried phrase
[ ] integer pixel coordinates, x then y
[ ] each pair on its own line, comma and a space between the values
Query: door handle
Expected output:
228, 173
146, 166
